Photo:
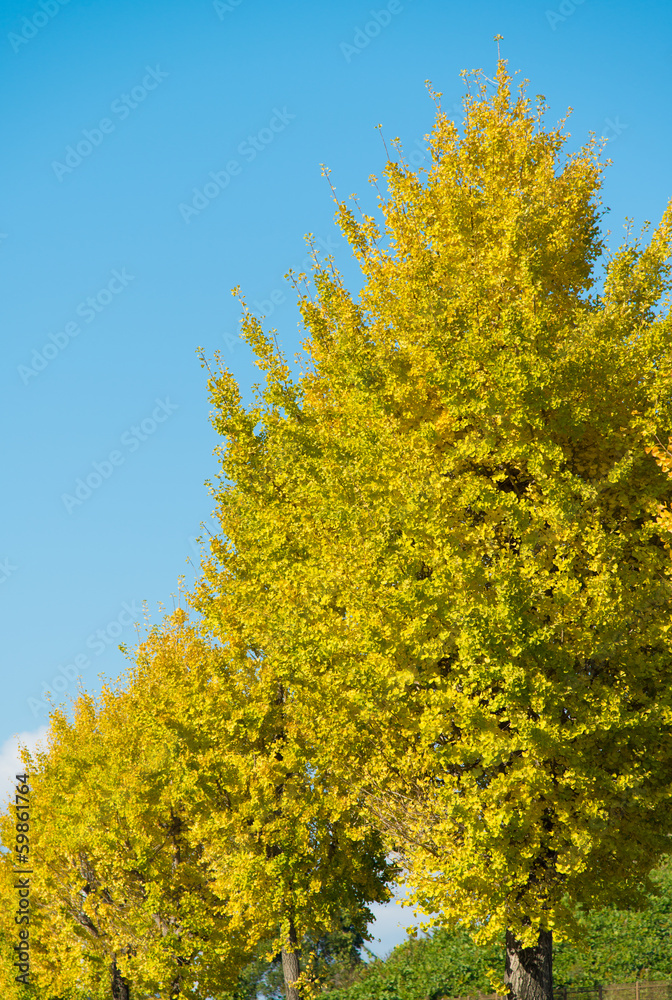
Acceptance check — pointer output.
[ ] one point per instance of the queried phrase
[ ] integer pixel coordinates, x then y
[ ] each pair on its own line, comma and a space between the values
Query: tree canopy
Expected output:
443, 534
177, 828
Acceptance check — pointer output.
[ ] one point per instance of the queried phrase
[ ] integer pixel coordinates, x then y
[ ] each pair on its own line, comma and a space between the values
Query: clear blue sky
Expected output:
119, 249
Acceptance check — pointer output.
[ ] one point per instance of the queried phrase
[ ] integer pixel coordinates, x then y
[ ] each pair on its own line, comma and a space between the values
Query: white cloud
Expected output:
10, 762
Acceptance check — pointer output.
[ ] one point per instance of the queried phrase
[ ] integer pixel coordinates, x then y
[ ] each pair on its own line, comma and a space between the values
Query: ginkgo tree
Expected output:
177, 829
121, 896
442, 537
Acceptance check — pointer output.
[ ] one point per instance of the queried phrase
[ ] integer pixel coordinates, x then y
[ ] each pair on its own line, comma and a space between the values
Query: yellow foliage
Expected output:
176, 827
442, 538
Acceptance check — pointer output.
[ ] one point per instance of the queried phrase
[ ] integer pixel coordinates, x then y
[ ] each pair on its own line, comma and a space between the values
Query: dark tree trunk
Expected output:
529, 971
291, 969
121, 988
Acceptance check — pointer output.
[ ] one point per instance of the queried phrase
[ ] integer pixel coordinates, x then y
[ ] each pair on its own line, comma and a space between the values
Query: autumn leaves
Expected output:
434, 626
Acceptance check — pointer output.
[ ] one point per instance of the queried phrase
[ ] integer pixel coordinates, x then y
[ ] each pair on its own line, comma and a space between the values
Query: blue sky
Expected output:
163, 152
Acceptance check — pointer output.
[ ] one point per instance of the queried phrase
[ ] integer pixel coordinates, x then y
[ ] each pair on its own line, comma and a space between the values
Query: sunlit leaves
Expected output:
446, 544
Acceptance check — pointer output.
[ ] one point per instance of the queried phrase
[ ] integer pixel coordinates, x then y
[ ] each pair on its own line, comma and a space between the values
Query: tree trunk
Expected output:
291, 969
529, 971
121, 988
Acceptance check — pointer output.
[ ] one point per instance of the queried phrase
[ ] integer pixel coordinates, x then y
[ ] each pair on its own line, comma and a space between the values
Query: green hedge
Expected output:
616, 946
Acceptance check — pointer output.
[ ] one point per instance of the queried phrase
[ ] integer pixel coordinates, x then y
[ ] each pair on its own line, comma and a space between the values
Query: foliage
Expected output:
443, 536
176, 827
620, 946
335, 960
117, 869
615, 946
445, 964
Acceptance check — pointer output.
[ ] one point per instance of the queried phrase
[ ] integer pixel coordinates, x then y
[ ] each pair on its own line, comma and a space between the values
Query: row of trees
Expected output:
432, 641
178, 826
